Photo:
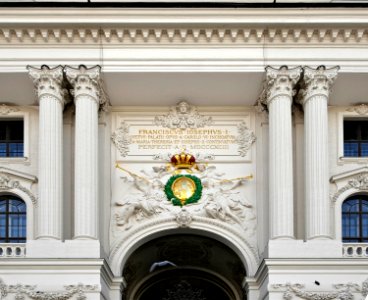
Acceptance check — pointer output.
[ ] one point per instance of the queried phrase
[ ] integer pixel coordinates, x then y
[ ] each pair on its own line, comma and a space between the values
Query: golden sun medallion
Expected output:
183, 188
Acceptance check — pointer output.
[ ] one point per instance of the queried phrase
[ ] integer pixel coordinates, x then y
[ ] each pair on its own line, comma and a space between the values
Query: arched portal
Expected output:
184, 266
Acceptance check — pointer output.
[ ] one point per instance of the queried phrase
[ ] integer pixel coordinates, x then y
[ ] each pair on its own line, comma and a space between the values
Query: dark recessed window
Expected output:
355, 138
13, 218
11, 138
355, 219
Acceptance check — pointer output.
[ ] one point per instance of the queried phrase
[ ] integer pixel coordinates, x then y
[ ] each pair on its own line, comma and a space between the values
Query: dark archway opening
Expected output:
184, 266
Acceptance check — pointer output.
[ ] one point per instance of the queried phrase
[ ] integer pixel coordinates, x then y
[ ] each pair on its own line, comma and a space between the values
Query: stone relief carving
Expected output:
184, 290
48, 83
183, 116
22, 291
221, 200
183, 218
5, 109
280, 82
317, 82
3, 289
361, 109
120, 138
6, 184
359, 182
342, 291
147, 200
245, 139
88, 83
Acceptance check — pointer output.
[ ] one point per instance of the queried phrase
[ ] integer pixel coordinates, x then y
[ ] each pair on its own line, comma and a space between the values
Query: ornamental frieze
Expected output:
23, 292
342, 291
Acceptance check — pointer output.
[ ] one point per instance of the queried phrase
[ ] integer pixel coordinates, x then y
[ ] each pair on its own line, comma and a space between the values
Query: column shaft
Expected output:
318, 83
87, 99
50, 162
279, 99
86, 168
281, 168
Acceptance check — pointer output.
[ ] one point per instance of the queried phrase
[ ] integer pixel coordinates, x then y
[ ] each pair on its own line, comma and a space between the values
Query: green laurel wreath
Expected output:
176, 201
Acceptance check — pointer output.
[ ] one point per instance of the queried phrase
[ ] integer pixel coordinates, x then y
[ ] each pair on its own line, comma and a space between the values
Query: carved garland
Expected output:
343, 291
361, 109
5, 109
21, 291
359, 182
245, 139
6, 184
121, 139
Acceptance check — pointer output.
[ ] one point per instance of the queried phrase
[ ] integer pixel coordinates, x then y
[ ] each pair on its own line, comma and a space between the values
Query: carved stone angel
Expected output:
147, 202
221, 200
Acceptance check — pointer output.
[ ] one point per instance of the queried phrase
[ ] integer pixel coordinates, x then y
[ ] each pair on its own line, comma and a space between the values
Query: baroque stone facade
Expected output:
131, 192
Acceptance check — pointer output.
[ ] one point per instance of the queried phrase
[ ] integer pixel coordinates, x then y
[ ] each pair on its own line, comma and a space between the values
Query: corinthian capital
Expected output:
318, 82
86, 82
48, 82
281, 82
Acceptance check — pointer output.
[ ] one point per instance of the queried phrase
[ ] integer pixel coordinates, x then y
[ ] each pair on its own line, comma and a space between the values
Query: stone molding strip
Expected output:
178, 35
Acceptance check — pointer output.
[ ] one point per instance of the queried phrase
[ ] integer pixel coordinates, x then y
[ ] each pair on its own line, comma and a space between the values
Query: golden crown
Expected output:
183, 160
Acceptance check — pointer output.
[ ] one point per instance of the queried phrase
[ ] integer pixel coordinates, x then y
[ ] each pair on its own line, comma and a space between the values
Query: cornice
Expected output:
178, 26
98, 16
179, 34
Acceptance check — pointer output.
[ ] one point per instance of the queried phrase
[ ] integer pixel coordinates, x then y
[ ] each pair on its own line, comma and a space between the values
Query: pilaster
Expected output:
87, 98
318, 83
280, 91
48, 83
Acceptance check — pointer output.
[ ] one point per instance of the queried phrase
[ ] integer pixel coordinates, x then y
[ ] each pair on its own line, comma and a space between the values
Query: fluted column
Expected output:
48, 83
86, 90
315, 100
280, 85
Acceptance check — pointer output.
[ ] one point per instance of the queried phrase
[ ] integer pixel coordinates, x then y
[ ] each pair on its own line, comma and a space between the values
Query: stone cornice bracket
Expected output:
87, 82
317, 82
48, 82
281, 82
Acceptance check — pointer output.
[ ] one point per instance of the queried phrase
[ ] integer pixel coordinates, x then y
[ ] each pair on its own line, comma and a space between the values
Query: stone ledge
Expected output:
67, 249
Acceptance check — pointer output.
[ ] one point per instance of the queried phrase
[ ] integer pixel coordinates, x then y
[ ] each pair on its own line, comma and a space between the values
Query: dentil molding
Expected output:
177, 34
